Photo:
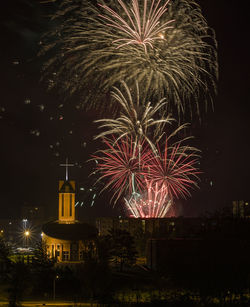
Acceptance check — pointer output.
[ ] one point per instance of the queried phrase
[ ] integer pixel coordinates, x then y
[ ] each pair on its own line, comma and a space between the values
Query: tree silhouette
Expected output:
122, 247
42, 269
19, 282
94, 273
4, 257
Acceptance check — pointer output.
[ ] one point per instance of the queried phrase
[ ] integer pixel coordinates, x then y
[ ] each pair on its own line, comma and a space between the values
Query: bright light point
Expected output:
161, 36
26, 233
42, 234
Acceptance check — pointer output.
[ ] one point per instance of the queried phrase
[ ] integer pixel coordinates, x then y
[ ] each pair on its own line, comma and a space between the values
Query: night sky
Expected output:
39, 129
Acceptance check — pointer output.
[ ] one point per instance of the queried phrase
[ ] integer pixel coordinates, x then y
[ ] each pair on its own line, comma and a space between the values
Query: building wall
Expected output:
149, 227
241, 209
64, 250
66, 211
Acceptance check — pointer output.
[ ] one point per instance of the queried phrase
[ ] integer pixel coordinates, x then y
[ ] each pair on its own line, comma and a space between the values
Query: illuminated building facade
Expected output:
67, 239
241, 209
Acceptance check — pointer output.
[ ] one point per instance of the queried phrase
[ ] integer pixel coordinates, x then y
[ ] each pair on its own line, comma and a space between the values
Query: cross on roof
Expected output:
66, 168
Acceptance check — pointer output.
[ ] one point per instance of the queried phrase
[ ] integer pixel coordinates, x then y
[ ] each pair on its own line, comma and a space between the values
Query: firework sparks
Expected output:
129, 170
141, 28
154, 204
93, 48
120, 165
174, 169
136, 119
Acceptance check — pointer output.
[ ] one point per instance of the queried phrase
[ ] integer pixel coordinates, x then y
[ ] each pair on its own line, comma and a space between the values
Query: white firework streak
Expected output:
140, 28
155, 204
133, 123
92, 49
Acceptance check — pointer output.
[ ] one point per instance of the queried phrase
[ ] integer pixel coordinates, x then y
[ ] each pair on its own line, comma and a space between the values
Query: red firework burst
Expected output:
121, 165
175, 168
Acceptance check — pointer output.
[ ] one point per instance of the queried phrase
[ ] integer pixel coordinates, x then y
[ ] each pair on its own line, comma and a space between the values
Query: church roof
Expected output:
66, 188
75, 231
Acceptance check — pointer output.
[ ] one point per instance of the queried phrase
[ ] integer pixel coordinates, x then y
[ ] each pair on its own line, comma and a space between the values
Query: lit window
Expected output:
58, 250
143, 225
65, 256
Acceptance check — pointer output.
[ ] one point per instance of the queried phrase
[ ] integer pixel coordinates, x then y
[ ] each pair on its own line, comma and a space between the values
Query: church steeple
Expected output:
66, 213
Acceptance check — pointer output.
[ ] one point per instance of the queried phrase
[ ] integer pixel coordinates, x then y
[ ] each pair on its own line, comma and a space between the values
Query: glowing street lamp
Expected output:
26, 235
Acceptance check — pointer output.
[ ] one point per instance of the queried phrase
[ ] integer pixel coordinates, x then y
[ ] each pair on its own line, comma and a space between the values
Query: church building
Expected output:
67, 239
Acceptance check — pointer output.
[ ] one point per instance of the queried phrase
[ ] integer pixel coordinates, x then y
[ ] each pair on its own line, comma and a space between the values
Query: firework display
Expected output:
138, 27
138, 120
151, 180
155, 202
174, 168
120, 164
166, 45
152, 62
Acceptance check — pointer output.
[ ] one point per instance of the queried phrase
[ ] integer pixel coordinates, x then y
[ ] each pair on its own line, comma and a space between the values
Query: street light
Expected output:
54, 286
26, 234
